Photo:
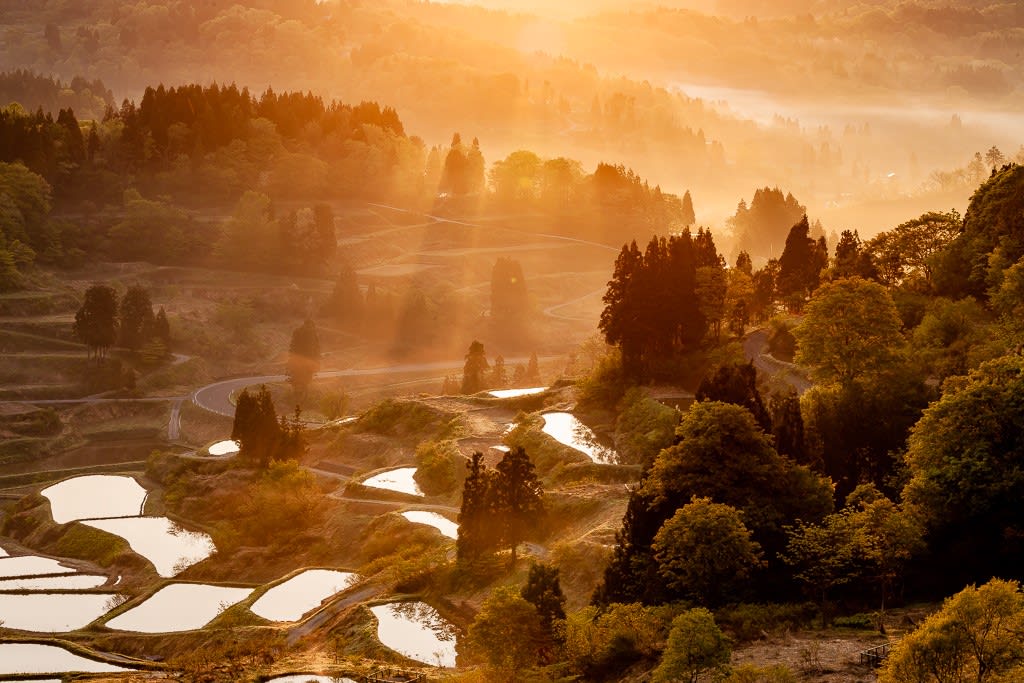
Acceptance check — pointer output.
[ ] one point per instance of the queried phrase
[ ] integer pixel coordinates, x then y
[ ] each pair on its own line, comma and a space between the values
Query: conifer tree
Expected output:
476, 515
688, 217
96, 320
544, 591
303, 356
137, 318
519, 498
474, 369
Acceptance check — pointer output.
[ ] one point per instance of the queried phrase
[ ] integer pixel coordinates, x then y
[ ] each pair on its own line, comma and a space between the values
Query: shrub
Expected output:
440, 467
752, 621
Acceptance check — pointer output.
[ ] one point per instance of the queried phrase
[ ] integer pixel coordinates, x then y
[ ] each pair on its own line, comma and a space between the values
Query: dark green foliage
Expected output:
137, 319
519, 497
477, 533
544, 591
722, 454
500, 507
261, 436
852, 259
736, 384
993, 224
303, 356
663, 302
96, 320
964, 464
801, 263
788, 427
474, 369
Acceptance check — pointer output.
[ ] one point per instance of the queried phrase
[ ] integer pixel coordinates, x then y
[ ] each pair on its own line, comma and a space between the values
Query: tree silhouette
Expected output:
688, 217
519, 498
137, 320
96, 320
476, 534
473, 370
303, 356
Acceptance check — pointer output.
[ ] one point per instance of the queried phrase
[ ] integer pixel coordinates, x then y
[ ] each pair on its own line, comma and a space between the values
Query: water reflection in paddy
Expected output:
30, 565
169, 547
52, 612
416, 630
179, 607
400, 480
515, 393
68, 582
95, 495
288, 601
35, 658
565, 428
446, 526
223, 448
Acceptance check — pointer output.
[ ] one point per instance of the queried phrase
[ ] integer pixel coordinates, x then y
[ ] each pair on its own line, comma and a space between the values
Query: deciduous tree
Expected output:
851, 330
695, 647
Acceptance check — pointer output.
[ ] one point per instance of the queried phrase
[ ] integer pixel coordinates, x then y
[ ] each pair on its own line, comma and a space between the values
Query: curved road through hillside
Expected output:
755, 348
216, 397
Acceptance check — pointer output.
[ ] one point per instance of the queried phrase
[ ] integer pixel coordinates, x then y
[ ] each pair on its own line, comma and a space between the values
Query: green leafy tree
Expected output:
722, 454
696, 646
705, 552
824, 556
96, 320
137, 319
505, 633
851, 330
303, 356
473, 372
906, 254
976, 636
963, 463
519, 498
438, 466
737, 384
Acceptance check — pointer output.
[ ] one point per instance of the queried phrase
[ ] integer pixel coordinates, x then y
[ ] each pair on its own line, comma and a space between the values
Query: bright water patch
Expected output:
288, 601
416, 630
514, 393
223, 448
35, 658
95, 495
31, 565
179, 607
396, 480
69, 582
308, 678
52, 612
169, 547
3, 553
446, 526
565, 428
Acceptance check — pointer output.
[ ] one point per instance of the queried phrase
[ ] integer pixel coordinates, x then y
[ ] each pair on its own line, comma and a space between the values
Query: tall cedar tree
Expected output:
476, 516
799, 265
96, 320
473, 372
519, 497
137, 318
656, 306
261, 436
544, 591
303, 356
162, 329
688, 217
